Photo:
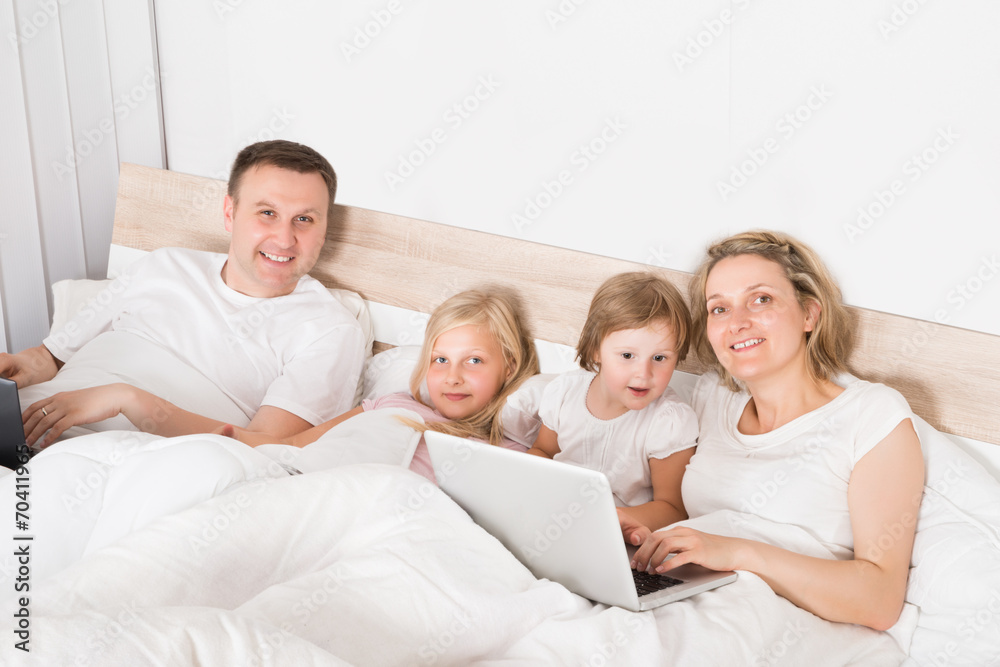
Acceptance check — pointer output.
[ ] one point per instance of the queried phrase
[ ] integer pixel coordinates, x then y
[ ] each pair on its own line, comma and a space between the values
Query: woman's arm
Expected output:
546, 444
884, 499
666, 507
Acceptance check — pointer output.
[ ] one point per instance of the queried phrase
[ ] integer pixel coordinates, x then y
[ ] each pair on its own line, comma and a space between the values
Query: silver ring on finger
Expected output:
44, 413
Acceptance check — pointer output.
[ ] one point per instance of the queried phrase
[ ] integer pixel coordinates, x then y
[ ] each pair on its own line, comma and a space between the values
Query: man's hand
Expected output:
28, 367
60, 411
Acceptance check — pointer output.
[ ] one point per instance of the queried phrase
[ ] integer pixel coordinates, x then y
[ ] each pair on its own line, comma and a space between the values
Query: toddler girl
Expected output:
617, 415
476, 352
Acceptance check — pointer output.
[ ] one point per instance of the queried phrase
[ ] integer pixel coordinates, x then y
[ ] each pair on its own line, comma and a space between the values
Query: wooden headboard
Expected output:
948, 375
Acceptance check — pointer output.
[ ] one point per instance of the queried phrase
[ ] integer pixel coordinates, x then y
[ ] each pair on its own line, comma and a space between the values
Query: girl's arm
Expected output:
546, 444
666, 507
883, 497
302, 439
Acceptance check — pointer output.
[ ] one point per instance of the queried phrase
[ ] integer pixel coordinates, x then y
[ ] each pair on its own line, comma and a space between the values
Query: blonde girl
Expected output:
476, 352
617, 414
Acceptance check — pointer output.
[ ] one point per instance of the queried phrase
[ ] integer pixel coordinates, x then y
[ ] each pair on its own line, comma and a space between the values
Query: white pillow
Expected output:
69, 297
389, 371
955, 569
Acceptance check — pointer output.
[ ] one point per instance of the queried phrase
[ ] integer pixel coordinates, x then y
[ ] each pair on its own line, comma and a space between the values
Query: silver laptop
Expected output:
13, 450
559, 520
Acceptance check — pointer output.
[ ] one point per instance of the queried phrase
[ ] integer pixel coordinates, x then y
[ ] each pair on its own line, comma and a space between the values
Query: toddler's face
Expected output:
635, 369
467, 370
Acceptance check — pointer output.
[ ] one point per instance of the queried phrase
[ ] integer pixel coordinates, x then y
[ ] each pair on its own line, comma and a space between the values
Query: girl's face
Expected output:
467, 370
635, 368
756, 325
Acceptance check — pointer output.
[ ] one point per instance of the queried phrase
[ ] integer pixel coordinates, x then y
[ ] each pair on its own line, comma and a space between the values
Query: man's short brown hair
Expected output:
285, 155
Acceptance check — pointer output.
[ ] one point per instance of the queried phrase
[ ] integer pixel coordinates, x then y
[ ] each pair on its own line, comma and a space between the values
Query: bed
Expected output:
198, 550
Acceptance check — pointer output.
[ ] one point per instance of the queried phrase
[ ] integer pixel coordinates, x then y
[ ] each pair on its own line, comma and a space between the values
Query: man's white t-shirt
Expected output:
302, 352
619, 447
798, 473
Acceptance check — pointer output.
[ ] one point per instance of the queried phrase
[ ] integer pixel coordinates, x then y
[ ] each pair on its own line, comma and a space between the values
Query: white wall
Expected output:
468, 113
78, 93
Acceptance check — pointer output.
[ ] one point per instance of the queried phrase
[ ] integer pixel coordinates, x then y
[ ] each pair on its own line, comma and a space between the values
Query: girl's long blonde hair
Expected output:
497, 310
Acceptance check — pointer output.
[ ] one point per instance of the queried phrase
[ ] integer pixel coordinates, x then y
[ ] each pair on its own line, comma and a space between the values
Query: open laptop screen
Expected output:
11, 429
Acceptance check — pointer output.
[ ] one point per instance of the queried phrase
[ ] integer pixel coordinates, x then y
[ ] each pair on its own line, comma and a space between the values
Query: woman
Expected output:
779, 438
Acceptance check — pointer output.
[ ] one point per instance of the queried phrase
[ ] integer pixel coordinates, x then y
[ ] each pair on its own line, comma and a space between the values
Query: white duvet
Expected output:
219, 557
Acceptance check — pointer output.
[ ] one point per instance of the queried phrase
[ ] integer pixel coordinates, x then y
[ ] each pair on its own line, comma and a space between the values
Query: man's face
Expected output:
278, 222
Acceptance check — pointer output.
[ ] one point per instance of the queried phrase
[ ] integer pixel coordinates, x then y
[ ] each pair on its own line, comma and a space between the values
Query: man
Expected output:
268, 336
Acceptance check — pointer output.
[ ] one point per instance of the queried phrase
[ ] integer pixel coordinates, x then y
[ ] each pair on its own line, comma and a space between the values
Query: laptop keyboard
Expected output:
646, 583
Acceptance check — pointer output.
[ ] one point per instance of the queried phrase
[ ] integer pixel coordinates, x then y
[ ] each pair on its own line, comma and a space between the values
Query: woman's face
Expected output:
755, 323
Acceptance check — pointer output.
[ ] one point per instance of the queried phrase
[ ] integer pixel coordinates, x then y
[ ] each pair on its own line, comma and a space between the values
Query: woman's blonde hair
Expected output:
497, 310
633, 300
828, 345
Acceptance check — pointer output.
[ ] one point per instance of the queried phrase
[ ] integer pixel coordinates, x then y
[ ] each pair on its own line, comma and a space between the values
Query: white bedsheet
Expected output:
372, 565
199, 550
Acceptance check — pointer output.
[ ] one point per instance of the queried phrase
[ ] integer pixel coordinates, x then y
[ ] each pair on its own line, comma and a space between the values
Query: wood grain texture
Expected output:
948, 375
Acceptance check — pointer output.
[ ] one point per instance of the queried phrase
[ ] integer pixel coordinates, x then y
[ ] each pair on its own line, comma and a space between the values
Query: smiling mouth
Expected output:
276, 258
748, 343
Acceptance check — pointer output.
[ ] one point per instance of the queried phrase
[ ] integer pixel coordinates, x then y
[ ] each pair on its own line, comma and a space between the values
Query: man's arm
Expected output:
28, 367
53, 415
